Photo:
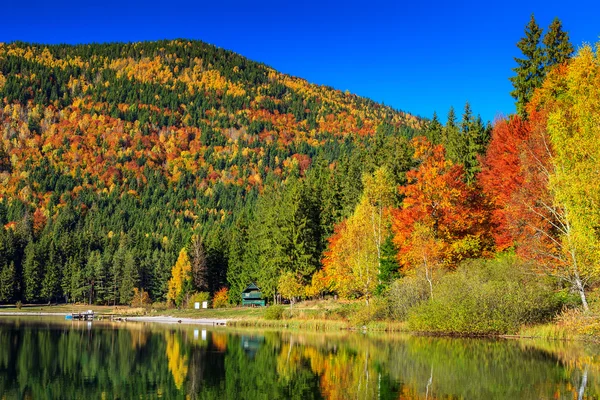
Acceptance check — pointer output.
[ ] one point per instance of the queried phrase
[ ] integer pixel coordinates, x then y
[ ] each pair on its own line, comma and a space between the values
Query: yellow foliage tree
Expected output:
180, 275
574, 129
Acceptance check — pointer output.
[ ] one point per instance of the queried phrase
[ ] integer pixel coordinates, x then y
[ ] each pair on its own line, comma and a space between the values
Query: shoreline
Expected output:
162, 319
175, 320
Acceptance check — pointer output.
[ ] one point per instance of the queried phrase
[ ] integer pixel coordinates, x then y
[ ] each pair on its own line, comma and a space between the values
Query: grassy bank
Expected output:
326, 315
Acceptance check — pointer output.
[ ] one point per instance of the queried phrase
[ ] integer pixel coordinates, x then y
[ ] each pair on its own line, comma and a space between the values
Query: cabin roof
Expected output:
251, 287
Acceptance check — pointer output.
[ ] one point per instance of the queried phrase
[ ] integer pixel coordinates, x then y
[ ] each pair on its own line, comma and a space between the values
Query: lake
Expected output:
56, 359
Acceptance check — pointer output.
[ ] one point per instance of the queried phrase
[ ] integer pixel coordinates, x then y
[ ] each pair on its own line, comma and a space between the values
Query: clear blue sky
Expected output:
418, 56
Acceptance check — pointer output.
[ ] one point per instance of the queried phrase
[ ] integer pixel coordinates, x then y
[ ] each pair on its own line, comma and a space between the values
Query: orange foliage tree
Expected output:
441, 220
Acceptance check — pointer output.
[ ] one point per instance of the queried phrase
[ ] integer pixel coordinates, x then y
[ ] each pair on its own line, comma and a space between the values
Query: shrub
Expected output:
486, 297
198, 297
159, 306
274, 312
140, 298
221, 298
344, 311
19, 304
376, 310
404, 294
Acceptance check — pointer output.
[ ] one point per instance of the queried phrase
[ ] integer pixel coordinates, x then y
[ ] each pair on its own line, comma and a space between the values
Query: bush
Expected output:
141, 298
274, 312
159, 306
343, 312
486, 297
376, 310
198, 297
19, 304
221, 298
404, 294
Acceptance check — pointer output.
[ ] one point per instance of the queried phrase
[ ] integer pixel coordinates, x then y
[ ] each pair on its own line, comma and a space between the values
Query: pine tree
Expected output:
100, 278
454, 141
130, 278
32, 274
434, 130
558, 47
7, 283
530, 69
51, 282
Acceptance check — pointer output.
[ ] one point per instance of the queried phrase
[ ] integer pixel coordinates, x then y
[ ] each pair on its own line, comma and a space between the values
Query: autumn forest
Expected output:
165, 172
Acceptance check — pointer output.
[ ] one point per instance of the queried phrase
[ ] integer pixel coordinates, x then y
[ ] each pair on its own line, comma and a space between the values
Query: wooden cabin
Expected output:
252, 296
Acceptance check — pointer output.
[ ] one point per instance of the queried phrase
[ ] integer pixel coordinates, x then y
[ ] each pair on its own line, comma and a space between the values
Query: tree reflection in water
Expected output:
54, 359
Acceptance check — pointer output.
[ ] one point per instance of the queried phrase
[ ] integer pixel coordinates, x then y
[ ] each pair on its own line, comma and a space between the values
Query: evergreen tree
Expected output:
558, 46
32, 274
238, 271
389, 270
129, 278
454, 142
100, 278
79, 287
7, 282
434, 130
51, 282
116, 274
530, 69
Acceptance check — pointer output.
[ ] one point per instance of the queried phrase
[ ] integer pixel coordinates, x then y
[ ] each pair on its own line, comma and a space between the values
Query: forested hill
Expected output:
113, 155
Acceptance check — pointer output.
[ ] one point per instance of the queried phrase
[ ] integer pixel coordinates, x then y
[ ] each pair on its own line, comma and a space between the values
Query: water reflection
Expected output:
54, 359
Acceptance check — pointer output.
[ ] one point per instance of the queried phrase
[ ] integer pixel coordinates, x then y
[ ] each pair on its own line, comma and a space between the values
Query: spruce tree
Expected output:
530, 68
558, 47
129, 278
51, 282
434, 130
7, 282
454, 142
32, 274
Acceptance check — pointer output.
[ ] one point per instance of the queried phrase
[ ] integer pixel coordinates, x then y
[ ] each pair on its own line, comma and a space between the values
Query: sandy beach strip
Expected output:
32, 314
177, 320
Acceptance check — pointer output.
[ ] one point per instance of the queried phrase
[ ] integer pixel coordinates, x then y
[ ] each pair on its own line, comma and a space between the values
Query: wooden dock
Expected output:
83, 316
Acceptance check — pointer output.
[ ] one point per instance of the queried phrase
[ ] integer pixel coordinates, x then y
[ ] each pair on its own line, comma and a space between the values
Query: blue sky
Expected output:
418, 56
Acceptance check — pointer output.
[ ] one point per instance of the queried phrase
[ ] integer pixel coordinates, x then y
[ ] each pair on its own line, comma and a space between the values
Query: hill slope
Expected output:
125, 150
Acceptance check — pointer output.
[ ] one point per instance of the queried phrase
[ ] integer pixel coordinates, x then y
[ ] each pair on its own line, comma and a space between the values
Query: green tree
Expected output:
434, 130
7, 282
530, 68
129, 278
558, 46
51, 282
32, 273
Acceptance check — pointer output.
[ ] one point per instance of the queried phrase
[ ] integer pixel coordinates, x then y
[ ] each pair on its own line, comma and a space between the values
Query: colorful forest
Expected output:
166, 171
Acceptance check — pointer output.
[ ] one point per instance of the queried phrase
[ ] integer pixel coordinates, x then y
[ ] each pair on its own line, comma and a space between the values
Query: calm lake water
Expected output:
52, 359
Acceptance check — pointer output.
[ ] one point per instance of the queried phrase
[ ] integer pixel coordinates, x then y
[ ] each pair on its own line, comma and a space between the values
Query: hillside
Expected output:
113, 155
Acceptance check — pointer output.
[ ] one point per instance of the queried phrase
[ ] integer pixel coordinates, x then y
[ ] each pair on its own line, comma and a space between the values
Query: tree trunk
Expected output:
429, 280
580, 289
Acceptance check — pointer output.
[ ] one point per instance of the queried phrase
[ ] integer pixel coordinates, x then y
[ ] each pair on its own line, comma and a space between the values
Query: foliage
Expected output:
197, 297
221, 298
404, 294
538, 60
274, 312
115, 156
290, 287
180, 278
140, 298
486, 297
